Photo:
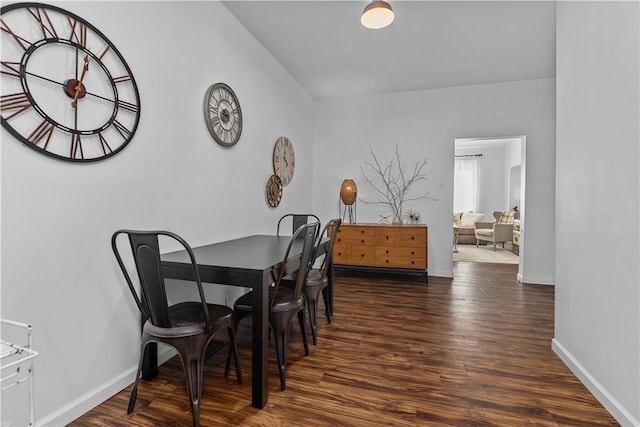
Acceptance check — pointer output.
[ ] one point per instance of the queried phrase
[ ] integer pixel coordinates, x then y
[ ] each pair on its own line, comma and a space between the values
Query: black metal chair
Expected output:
285, 302
297, 220
188, 326
318, 278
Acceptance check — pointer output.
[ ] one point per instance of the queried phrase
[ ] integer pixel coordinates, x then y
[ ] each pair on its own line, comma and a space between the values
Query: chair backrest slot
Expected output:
149, 269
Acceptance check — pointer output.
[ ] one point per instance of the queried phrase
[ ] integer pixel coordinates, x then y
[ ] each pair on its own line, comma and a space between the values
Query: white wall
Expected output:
58, 271
425, 124
597, 323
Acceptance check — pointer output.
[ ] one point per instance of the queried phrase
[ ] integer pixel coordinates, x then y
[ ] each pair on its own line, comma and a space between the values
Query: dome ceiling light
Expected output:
377, 14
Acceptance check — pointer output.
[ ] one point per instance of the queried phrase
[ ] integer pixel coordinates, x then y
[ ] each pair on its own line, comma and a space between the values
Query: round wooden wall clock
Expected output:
67, 91
222, 114
284, 160
273, 191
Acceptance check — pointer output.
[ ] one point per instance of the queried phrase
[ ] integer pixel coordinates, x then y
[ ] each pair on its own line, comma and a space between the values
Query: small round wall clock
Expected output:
284, 160
273, 191
67, 92
222, 114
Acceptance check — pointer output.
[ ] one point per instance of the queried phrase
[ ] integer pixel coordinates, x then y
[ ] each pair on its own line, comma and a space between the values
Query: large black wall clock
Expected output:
67, 91
222, 114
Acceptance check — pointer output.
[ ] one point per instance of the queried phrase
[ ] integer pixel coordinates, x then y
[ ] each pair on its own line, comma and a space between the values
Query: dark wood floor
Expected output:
472, 351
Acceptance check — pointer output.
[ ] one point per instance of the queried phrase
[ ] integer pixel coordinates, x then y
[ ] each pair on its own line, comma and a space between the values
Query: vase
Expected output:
397, 215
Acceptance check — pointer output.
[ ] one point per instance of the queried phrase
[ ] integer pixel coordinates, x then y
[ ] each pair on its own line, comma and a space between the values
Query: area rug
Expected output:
485, 254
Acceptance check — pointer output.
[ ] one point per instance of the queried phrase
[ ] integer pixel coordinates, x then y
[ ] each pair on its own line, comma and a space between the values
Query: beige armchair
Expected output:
500, 231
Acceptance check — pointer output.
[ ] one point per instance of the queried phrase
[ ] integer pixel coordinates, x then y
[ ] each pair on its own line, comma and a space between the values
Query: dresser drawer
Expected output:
355, 236
363, 255
387, 236
414, 237
397, 251
401, 257
341, 254
401, 262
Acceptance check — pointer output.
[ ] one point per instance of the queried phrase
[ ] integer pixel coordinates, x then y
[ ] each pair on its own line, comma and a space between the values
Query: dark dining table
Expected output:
251, 262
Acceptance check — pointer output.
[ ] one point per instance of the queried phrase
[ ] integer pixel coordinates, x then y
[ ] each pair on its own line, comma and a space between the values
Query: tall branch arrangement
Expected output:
392, 186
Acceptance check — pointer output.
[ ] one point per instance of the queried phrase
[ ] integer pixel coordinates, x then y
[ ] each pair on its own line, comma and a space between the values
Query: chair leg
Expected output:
327, 310
233, 349
494, 246
193, 366
134, 390
282, 342
312, 306
303, 331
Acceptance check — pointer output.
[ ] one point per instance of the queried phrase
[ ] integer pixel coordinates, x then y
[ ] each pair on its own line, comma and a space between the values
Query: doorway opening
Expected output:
489, 176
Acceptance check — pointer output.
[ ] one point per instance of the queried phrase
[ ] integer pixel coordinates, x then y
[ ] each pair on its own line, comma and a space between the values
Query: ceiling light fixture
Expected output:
377, 14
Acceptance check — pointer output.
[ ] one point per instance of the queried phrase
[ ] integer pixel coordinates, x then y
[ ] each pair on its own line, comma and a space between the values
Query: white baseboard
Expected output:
84, 404
600, 393
447, 274
536, 280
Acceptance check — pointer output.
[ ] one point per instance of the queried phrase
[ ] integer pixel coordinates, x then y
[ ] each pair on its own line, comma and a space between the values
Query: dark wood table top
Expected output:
257, 252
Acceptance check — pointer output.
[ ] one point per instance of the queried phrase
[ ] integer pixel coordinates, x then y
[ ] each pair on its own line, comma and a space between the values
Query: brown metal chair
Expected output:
188, 326
297, 220
284, 301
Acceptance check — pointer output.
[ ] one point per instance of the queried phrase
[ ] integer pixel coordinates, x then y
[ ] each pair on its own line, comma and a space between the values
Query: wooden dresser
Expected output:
395, 248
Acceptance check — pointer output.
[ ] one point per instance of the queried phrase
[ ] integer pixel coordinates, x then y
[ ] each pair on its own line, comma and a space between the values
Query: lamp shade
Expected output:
377, 14
348, 192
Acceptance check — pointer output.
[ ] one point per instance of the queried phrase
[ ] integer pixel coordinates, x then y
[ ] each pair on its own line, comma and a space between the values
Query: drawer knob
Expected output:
362, 231
413, 262
413, 238
362, 240
387, 261
386, 237
362, 255
413, 253
387, 251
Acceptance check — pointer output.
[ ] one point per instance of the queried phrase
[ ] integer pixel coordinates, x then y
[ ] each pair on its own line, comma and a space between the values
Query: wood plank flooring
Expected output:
472, 351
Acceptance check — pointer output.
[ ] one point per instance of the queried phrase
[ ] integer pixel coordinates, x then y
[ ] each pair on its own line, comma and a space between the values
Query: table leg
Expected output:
150, 362
260, 353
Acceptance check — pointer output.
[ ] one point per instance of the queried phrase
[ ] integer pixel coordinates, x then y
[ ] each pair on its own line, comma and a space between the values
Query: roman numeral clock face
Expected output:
284, 160
222, 114
67, 92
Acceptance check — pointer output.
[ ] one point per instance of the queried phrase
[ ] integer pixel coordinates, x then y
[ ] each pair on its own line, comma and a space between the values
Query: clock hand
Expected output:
79, 88
64, 84
43, 78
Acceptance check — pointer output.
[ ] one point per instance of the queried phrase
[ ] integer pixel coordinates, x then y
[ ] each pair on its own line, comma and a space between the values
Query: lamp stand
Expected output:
347, 211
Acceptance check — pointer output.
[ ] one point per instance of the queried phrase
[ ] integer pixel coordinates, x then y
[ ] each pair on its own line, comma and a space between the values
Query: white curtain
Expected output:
465, 184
